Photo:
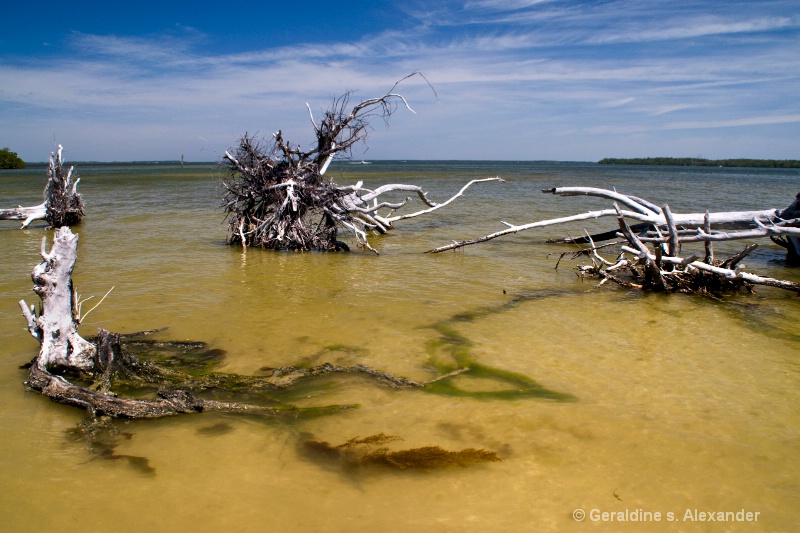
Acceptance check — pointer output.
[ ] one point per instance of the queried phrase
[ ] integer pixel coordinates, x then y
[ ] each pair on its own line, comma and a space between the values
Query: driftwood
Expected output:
278, 197
62, 205
781, 226
662, 268
100, 365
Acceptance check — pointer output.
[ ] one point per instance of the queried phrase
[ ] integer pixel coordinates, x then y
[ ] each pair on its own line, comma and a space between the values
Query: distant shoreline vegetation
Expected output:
10, 160
698, 162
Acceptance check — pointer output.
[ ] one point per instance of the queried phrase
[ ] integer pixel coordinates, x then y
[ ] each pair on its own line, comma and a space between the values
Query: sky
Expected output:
564, 80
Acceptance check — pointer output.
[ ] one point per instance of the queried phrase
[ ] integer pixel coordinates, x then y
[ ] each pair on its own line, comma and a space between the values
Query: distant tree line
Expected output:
698, 162
9, 159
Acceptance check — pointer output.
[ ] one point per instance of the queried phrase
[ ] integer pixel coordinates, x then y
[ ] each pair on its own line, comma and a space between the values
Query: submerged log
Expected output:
372, 451
62, 206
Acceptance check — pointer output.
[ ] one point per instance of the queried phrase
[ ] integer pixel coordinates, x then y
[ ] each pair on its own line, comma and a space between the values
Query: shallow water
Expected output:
652, 403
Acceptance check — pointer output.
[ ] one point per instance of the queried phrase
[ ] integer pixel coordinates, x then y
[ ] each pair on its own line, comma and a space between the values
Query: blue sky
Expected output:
514, 79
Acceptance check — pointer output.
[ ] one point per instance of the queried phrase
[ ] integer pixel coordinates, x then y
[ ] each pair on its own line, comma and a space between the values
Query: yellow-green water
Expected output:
675, 402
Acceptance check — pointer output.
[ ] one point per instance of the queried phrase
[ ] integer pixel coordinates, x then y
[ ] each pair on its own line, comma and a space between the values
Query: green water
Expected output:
649, 402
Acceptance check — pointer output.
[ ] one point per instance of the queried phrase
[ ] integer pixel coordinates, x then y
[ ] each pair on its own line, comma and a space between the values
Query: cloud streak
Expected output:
735, 123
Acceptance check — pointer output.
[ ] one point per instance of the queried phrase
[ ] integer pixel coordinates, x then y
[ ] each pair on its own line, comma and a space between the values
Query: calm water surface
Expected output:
667, 403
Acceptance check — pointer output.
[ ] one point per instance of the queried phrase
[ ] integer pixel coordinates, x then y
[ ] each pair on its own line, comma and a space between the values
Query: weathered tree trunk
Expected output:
64, 352
764, 223
62, 204
56, 323
26, 214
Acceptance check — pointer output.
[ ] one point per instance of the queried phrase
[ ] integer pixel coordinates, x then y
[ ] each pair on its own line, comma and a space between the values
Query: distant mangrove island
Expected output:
699, 162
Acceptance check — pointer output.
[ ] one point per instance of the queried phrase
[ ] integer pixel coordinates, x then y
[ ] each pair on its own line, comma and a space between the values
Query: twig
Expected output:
80, 319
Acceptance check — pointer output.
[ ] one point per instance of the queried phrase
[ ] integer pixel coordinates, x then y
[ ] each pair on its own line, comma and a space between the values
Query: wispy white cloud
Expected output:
618, 103
687, 29
735, 123
503, 5
663, 110
618, 21
140, 48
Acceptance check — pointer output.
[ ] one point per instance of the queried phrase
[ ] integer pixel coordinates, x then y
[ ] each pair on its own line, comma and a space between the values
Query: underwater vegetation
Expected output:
163, 365
372, 451
220, 428
102, 437
451, 353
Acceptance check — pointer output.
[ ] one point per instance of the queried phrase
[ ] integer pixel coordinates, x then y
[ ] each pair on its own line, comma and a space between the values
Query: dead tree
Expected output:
277, 196
62, 205
662, 268
95, 368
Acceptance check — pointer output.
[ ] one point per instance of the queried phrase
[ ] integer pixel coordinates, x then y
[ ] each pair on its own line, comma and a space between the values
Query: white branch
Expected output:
383, 189
641, 210
437, 206
33, 327
310, 114
637, 204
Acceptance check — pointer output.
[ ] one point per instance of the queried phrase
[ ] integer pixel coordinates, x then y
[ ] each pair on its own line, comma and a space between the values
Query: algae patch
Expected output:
372, 451
102, 437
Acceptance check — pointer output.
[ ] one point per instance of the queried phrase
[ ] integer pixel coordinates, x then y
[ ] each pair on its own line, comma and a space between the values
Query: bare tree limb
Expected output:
664, 269
761, 223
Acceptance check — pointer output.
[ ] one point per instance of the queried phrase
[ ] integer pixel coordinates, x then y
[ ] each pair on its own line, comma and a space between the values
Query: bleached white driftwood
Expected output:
761, 223
55, 324
62, 204
664, 268
727, 273
360, 208
26, 214
438, 206
63, 351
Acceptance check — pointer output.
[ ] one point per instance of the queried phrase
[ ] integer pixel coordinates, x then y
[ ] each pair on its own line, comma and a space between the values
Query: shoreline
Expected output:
699, 162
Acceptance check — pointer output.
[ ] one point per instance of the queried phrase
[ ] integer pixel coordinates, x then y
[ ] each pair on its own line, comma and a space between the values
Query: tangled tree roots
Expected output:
166, 386
131, 376
278, 197
102, 365
62, 205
